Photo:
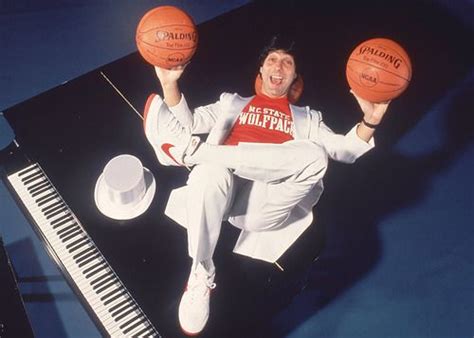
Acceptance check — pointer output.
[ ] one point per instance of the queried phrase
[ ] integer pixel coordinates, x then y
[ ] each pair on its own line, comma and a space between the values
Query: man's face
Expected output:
278, 73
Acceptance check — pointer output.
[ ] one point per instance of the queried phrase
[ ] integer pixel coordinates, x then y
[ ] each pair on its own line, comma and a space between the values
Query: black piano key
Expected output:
65, 231
55, 213
70, 231
95, 272
60, 219
134, 326
128, 329
40, 189
72, 235
67, 228
46, 196
88, 260
49, 193
49, 199
126, 313
65, 221
27, 170
105, 287
34, 179
32, 189
31, 177
50, 207
45, 199
83, 257
80, 253
100, 278
130, 321
146, 329
103, 282
119, 305
120, 291
84, 253
116, 296
122, 309
77, 244
53, 205
90, 268
50, 217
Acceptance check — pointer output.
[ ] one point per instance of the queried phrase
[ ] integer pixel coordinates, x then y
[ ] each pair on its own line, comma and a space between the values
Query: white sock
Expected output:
208, 265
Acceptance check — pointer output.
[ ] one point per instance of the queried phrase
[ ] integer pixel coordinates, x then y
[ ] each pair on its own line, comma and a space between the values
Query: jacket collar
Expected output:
233, 104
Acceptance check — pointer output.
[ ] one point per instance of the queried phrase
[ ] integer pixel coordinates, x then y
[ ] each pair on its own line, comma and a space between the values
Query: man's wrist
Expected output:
369, 125
169, 85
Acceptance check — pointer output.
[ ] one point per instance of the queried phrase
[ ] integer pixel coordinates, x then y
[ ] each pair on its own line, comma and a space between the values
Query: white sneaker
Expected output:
194, 306
169, 138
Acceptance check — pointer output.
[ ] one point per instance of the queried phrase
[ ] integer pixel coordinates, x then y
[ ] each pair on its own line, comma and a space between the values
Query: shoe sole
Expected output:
193, 334
189, 333
150, 126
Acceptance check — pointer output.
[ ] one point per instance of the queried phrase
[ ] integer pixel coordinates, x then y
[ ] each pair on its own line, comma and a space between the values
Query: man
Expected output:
261, 168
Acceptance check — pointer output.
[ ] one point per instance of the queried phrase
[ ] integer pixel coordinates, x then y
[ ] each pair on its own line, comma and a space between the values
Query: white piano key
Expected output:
133, 333
52, 215
101, 275
123, 320
134, 320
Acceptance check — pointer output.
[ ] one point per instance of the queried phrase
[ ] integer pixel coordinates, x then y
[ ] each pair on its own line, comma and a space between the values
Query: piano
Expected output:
130, 275
75, 252
63, 139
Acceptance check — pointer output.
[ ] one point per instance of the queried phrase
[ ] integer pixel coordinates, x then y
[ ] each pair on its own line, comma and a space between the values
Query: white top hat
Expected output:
125, 188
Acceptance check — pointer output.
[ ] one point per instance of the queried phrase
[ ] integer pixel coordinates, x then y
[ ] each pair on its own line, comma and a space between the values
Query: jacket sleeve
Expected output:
343, 148
202, 119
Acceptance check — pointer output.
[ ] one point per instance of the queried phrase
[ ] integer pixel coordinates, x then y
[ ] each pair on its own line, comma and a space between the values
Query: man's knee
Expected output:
258, 221
313, 161
211, 177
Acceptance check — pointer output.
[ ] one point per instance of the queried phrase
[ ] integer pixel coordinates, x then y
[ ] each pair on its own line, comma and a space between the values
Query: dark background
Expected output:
397, 258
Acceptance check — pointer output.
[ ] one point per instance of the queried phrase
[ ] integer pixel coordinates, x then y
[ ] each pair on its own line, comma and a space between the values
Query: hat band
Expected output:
130, 197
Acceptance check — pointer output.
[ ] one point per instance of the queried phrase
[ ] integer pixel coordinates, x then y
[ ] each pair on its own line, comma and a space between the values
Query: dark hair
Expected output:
278, 42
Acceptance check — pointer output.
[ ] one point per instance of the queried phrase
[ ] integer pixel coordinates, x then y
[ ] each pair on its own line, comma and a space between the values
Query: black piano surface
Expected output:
75, 129
72, 131
14, 321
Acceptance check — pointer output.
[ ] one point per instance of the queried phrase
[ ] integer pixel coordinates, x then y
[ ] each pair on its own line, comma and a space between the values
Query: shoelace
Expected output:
198, 286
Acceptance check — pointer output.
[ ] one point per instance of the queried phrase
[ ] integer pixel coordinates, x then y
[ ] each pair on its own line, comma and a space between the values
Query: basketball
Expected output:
296, 88
167, 37
378, 70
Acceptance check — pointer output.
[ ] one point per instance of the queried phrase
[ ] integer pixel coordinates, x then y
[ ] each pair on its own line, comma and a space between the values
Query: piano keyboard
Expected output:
72, 247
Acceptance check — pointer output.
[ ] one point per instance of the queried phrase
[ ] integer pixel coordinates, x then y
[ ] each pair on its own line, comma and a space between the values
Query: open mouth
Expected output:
275, 79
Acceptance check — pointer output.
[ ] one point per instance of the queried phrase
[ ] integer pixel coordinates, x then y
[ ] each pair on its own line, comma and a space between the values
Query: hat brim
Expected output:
124, 212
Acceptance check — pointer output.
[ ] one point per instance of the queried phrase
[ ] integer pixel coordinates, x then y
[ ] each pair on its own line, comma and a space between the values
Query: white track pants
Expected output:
258, 195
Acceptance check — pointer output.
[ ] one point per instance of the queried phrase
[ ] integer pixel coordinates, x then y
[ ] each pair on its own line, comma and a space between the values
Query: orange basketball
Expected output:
166, 37
294, 93
378, 70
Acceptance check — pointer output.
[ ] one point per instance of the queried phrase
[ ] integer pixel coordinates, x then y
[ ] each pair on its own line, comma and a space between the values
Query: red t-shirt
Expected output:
263, 120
